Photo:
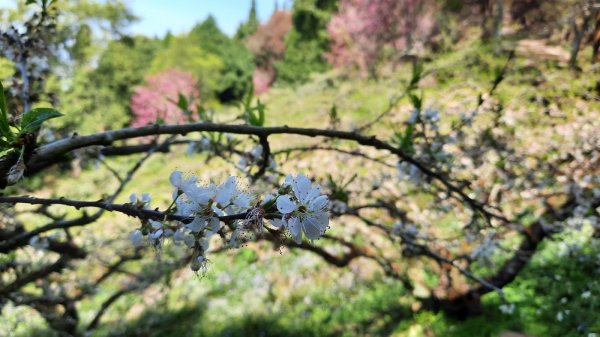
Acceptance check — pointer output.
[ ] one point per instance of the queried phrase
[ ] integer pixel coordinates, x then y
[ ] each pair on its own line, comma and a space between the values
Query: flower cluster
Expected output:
298, 206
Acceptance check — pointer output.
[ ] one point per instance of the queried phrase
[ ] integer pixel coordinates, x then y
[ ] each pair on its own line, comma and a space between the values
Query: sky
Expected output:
178, 16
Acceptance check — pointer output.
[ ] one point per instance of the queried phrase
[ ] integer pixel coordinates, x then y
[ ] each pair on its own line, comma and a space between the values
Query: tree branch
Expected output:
59, 148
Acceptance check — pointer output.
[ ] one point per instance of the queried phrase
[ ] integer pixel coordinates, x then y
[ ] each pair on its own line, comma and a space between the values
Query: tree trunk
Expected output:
579, 33
596, 39
498, 18
484, 11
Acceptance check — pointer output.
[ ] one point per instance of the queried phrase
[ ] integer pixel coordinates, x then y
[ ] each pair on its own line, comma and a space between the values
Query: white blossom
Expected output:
144, 199
38, 243
136, 237
197, 225
181, 235
507, 308
305, 210
229, 195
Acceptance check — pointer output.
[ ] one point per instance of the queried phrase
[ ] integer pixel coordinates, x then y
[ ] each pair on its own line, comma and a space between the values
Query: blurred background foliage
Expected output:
301, 66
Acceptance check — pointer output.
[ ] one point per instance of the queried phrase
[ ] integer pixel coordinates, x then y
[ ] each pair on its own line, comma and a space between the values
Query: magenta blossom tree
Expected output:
363, 30
158, 98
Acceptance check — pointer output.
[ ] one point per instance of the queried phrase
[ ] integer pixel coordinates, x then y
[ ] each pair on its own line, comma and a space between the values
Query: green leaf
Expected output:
4, 127
33, 119
406, 143
256, 115
261, 108
416, 101
182, 103
417, 74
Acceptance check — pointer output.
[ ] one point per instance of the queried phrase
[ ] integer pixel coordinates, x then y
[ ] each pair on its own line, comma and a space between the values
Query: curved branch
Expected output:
61, 147
266, 152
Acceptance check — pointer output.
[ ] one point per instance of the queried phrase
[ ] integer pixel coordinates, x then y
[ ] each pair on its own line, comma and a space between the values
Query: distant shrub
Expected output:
157, 99
237, 62
184, 54
268, 44
268, 47
307, 42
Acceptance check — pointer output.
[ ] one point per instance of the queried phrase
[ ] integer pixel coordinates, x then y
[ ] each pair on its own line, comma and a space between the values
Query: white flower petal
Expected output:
268, 198
285, 204
168, 232
136, 237
242, 200
256, 151
294, 226
133, 198
315, 192
201, 195
155, 224
179, 235
185, 208
189, 183
289, 179
226, 191
204, 244
189, 241
215, 224
278, 223
196, 225
301, 187
318, 203
314, 225
157, 234
218, 211
311, 228
175, 178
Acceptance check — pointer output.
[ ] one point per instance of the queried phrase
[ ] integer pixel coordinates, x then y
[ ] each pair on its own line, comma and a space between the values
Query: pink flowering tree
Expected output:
363, 30
268, 46
158, 98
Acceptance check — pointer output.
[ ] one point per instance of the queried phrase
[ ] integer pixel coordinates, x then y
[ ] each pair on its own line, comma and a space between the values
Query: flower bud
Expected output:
16, 172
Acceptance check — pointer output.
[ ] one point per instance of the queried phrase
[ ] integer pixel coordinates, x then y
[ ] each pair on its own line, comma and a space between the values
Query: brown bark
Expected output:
579, 34
596, 39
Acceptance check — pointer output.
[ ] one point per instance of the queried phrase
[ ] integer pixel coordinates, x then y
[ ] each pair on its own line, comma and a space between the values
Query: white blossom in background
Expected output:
408, 172
413, 117
304, 209
136, 237
338, 206
486, 249
254, 158
38, 243
399, 228
507, 308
